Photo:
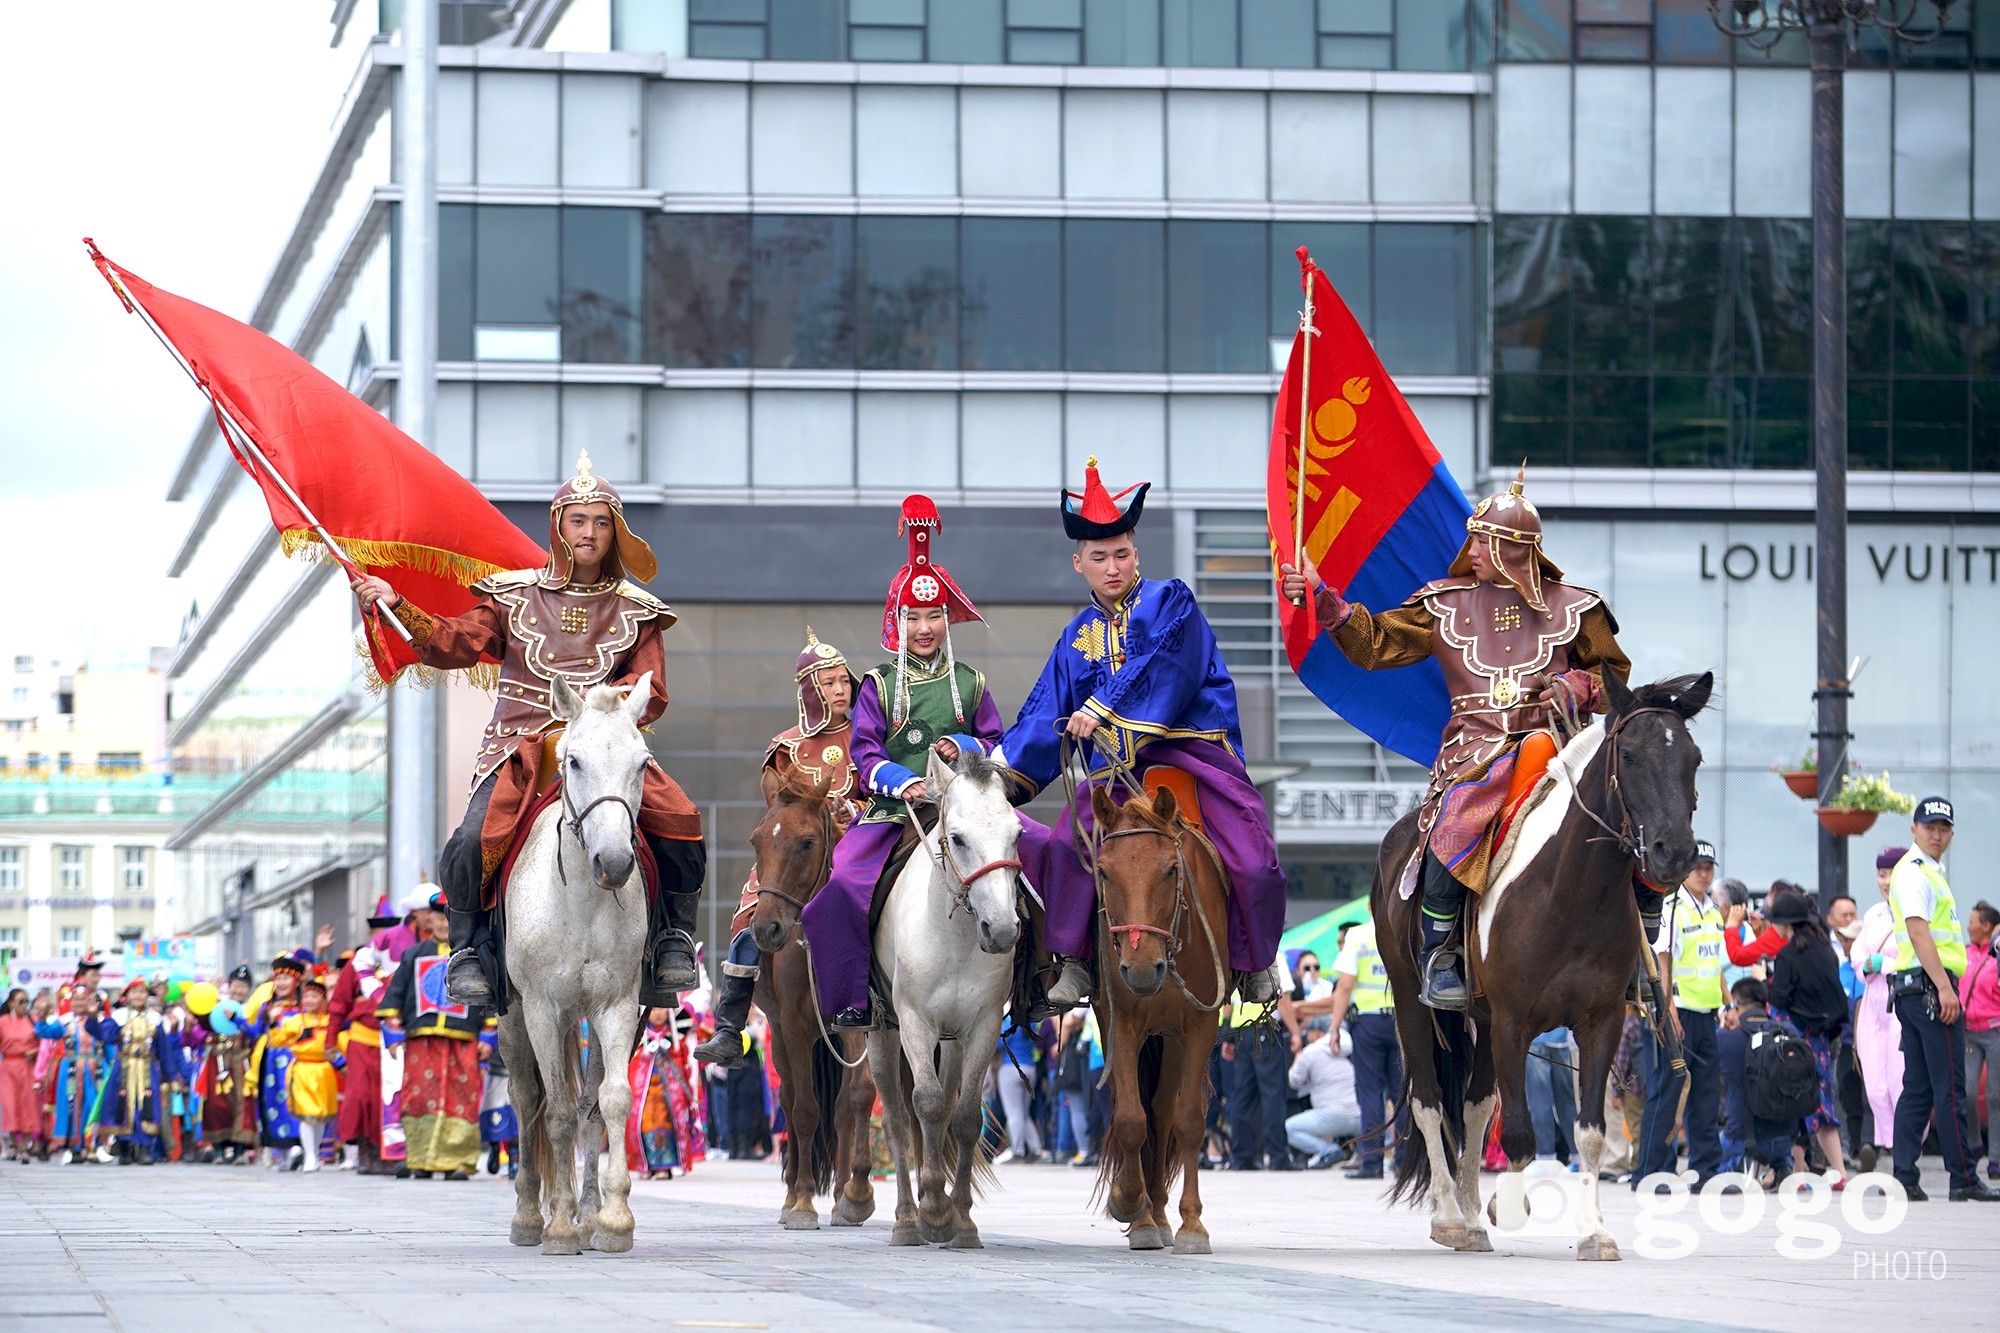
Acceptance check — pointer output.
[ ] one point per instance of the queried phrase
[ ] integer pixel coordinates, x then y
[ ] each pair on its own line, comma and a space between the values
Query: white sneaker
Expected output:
1004, 1158
103, 1157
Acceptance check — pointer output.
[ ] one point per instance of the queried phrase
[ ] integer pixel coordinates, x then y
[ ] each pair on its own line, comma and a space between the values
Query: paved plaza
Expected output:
188, 1247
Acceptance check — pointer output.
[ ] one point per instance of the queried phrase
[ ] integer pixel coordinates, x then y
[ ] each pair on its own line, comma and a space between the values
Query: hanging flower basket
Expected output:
1842, 822
1804, 783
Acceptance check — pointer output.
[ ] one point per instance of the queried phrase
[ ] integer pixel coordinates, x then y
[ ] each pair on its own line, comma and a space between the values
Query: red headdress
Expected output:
1097, 514
922, 583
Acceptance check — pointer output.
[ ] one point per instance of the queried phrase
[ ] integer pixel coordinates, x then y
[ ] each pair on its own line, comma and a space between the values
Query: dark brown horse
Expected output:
1164, 914
826, 1106
1553, 943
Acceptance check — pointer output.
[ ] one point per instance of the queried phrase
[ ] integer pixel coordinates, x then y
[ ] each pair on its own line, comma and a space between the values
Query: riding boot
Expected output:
1259, 987
1072, 987
1651, 902
732, 1010
1443, 980
468, 979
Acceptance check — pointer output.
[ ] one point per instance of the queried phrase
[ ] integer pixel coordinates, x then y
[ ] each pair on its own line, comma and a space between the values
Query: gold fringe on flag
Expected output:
460, 569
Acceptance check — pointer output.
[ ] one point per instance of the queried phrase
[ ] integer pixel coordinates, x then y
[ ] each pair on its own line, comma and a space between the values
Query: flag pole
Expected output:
1306, 332
234, 430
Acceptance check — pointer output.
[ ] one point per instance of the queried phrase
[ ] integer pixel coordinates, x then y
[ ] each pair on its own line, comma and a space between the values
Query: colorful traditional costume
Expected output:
1878, 1033
134, 1104
271, 1064
664, 1130
904, 708
312, 1086
539, 625
87, 1036
20, 1108
818, 749
1150, 670
357, 1035
1499, 643
441, 1078
228, 1089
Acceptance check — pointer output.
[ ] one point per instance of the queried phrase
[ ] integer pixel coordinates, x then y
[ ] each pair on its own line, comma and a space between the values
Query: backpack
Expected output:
1780, 1080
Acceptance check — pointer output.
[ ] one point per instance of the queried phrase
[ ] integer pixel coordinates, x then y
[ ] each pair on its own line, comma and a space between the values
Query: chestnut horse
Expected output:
827, 1098
1160, 887
1553, 942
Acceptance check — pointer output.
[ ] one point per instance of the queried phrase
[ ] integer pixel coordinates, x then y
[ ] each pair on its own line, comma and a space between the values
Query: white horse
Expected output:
575, 938
946, 944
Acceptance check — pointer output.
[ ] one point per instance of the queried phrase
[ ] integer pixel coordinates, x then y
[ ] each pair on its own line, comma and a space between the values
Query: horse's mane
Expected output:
798, 786
1141, 805
976, 764
1672, 693
604, 698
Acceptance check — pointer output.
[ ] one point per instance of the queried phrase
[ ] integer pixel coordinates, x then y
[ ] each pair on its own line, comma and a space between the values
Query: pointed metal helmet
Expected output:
629, 555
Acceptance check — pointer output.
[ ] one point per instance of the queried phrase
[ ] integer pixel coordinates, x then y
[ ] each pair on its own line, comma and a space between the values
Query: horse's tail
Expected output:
826, 1076
1451, 1065
1111, 1157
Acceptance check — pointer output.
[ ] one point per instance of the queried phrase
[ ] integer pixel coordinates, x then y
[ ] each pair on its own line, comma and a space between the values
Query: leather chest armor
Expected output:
576, 632
1489, 641
827, 751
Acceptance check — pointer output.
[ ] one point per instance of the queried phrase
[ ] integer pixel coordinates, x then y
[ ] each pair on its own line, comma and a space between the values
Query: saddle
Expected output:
1187, 795
649, 870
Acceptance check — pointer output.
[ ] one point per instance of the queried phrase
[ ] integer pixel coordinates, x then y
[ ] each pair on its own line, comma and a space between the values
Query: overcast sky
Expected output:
182, 135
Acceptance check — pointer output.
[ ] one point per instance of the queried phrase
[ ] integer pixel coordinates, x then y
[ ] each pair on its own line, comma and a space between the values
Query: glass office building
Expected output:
777, 262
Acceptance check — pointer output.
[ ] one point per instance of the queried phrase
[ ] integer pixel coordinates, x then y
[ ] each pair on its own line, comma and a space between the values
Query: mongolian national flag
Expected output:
1381, 516
339, 479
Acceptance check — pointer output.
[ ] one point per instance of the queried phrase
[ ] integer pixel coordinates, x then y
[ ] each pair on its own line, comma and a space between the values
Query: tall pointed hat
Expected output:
1097, 514
921, 582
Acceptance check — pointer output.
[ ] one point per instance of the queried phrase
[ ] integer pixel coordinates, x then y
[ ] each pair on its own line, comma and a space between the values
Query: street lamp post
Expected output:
1829, 26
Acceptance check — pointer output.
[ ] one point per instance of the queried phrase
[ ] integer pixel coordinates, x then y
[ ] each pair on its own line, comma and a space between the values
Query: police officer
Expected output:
1923, 986
1689, 946
1362, 986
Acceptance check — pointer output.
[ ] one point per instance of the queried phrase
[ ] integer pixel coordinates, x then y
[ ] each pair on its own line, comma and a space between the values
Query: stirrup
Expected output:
670, 970
854, 1020
465, 980
1259, 987
1072, 988
1443, 984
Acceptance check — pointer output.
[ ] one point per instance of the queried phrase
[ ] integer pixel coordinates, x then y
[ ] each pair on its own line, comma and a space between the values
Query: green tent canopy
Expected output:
1322, 933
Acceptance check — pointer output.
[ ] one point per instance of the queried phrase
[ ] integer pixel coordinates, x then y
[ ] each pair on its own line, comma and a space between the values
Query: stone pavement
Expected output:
190, 1247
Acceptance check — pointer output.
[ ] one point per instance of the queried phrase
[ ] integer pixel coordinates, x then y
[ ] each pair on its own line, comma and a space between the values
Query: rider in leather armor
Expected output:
1518, 647
581, 618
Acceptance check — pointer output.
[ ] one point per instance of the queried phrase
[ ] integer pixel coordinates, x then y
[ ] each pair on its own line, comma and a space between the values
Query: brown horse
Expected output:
1160, 888
1553, 942
827, 1099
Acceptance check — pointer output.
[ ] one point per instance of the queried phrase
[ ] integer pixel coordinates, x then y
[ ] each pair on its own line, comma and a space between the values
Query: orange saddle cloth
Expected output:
1530, 762
1165, 777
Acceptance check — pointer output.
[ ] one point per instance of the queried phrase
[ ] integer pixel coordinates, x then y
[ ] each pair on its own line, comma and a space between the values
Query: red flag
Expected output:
330, 466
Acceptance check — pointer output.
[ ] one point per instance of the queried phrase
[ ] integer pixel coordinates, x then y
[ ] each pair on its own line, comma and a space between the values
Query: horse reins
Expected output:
573, 819
820, 874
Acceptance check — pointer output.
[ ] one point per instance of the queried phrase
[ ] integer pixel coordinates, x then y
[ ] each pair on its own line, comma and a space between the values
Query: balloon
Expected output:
174, 992
201, 997
224, 1026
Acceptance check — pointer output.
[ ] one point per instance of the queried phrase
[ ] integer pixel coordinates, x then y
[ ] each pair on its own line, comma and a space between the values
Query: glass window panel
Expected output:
697, 290
1868, 296
1773, 423
1614, 11
801, 438
967, 32
600, 130
516, 251
801, 139
1302, 125
1012, 293
698, 437
1278, 34
1986, 425
1531, 298
1430, 34
1370, 16
1216, 314
1692, 264
515, 133
1983, 300
1930, 425
1036, 46
1609, 427
1198, 33
1422, 149
1614, 140
1534, 29
514, 432
1952, 49
1424, 318
806, 29
698, 137
906, 140
1596, 42
907, 440
1986, 34
1774, 296
727, 11
455, 281
1932, 265
601, 267
1933, 138
1531, 138
1867, 424
887, 44
1691, 420
1045, 13
802, 292
895, 13
906, 306
1341, 248
1130, 429
1611, 282
1684, 34
1216, 441
1010, 142
1011, 441
1121, 32
1113, 143
726, 41
1114, 281
647, 25
454, 426
1356, 53
605, 419
1215, 144
1531, 419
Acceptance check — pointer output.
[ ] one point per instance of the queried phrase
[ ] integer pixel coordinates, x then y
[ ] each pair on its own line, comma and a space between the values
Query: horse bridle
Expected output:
940, 853
573, 819
1629, 842
824, 869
